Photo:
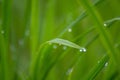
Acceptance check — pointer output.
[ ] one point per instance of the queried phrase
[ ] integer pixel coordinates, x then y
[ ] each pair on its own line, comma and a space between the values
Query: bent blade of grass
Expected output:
108, 23
105, 37
65, 43
97, 68
40, 56
82, 16
67, 51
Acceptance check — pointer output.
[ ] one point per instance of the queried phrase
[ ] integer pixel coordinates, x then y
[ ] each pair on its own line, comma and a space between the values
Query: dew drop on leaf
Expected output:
27, 33
55, 46
69, 30
21, 42
12, 48
105, 24
69, 71
98, 62
106, 64
2, 32
83, 50
64, 47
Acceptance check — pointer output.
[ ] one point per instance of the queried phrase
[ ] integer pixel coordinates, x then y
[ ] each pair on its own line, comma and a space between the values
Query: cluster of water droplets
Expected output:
83, 50
106, 64
55, 46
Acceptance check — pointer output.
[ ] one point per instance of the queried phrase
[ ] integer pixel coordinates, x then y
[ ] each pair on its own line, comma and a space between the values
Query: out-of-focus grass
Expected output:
59, 40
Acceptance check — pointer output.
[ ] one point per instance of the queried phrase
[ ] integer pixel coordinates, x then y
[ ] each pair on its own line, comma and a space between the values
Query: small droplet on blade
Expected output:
83, 50
69, 30
69, 71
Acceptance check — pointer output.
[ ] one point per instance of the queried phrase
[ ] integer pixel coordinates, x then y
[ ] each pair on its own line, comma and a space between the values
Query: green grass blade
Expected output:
49, 21
77, 60
59, 41
77, 39
65, 43
4, 59
4, 40
108, 23
40, 57
34, 28
97, 68
105, 37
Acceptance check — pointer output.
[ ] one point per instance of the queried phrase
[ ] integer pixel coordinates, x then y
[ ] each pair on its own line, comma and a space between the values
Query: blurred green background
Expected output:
26, 24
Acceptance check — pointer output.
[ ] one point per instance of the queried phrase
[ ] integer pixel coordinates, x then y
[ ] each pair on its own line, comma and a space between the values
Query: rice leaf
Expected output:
4, 39
108, 23
97, 68
34, 28
65, 43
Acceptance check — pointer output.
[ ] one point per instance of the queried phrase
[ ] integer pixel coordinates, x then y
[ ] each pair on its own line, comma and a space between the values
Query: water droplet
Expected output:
98, 62
83, 50
2, 32
21, 42
12, 48
64, 47
117, 45
50, 43
27, 33
105, 24
69, 30
69, 71
106, 64
55, 46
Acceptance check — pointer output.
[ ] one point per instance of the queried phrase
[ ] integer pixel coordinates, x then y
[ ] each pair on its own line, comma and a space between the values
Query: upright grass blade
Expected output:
4, 59
27, 18
6, 18
4, 39
97, 68
34, 29
49, 21
105, 37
